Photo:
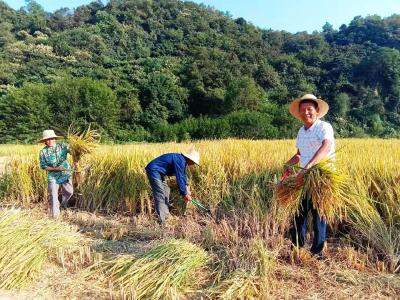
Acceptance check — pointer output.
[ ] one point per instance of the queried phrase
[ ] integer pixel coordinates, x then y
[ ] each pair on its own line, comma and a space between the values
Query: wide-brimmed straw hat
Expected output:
49, 134
294, 106
194, 156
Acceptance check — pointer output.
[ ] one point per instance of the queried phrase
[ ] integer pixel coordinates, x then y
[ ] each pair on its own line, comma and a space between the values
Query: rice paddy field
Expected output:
108, 245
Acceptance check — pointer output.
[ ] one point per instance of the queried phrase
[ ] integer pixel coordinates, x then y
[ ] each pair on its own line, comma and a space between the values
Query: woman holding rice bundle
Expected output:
315, 142
53, 159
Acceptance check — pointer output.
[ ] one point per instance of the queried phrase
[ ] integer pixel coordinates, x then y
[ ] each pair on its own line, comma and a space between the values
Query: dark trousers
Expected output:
299, 227
161, 192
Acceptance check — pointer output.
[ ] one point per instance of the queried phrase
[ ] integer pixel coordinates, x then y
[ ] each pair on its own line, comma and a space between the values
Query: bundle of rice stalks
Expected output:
26, 244
328, 191
81, 143
323, 184
164, 272
287, 195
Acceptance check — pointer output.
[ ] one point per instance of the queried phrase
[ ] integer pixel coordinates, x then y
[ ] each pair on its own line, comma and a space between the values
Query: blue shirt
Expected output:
54, 157
170, 164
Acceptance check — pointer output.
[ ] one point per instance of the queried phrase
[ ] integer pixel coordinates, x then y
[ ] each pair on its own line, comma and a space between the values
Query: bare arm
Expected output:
321, 153
188, 196
291, 162
294, 159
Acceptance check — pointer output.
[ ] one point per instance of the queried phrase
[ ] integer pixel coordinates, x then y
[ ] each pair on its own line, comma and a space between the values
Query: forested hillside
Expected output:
171, 70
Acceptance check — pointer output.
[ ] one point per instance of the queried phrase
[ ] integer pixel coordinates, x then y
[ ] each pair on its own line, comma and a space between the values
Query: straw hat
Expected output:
194, 156
49, 134
294, 106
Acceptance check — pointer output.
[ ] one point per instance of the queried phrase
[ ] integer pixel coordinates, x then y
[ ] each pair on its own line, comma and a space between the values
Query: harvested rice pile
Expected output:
27, 243
164, 272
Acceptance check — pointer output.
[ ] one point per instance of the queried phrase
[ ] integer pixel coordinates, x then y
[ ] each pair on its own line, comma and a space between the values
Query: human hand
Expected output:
187, 198
188, 191
286, 173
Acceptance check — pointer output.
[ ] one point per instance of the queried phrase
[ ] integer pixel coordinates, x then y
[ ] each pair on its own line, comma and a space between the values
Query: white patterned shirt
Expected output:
310, 140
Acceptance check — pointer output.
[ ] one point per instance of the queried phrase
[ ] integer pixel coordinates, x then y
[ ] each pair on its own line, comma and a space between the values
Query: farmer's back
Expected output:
167, 164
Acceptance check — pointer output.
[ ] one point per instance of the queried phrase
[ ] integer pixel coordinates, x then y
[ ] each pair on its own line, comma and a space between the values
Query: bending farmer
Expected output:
171, 164
314, 142
53, 159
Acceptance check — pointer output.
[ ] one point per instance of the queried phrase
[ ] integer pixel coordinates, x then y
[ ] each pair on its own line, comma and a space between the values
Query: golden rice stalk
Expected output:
328, 191
165, 271
371, 230
287, 195
323, 184
240, 285
82, 143
26, 243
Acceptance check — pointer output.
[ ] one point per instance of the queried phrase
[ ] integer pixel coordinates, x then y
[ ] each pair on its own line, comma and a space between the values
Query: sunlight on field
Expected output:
234, 181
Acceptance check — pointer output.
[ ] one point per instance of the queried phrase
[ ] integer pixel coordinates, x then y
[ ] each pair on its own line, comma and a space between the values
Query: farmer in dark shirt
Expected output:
170, 164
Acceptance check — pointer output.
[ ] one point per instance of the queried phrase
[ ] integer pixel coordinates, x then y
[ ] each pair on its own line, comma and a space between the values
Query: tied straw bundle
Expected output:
323, 185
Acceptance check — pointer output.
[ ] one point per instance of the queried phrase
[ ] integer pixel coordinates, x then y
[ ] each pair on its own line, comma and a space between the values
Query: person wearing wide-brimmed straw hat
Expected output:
170, 164
315, 141
53, 159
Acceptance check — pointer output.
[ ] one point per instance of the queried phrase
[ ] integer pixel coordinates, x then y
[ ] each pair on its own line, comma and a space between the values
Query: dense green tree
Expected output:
341, 105
161, 91
173, 70
244, 94
80, 101
36, 16
24, 113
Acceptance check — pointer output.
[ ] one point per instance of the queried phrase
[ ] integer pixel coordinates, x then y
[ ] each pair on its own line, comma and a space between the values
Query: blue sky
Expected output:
289, 15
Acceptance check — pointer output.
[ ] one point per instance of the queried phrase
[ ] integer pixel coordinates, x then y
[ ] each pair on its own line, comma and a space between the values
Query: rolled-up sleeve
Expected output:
180, 173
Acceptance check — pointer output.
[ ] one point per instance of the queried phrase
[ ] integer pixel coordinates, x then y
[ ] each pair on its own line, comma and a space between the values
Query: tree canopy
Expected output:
171, 70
